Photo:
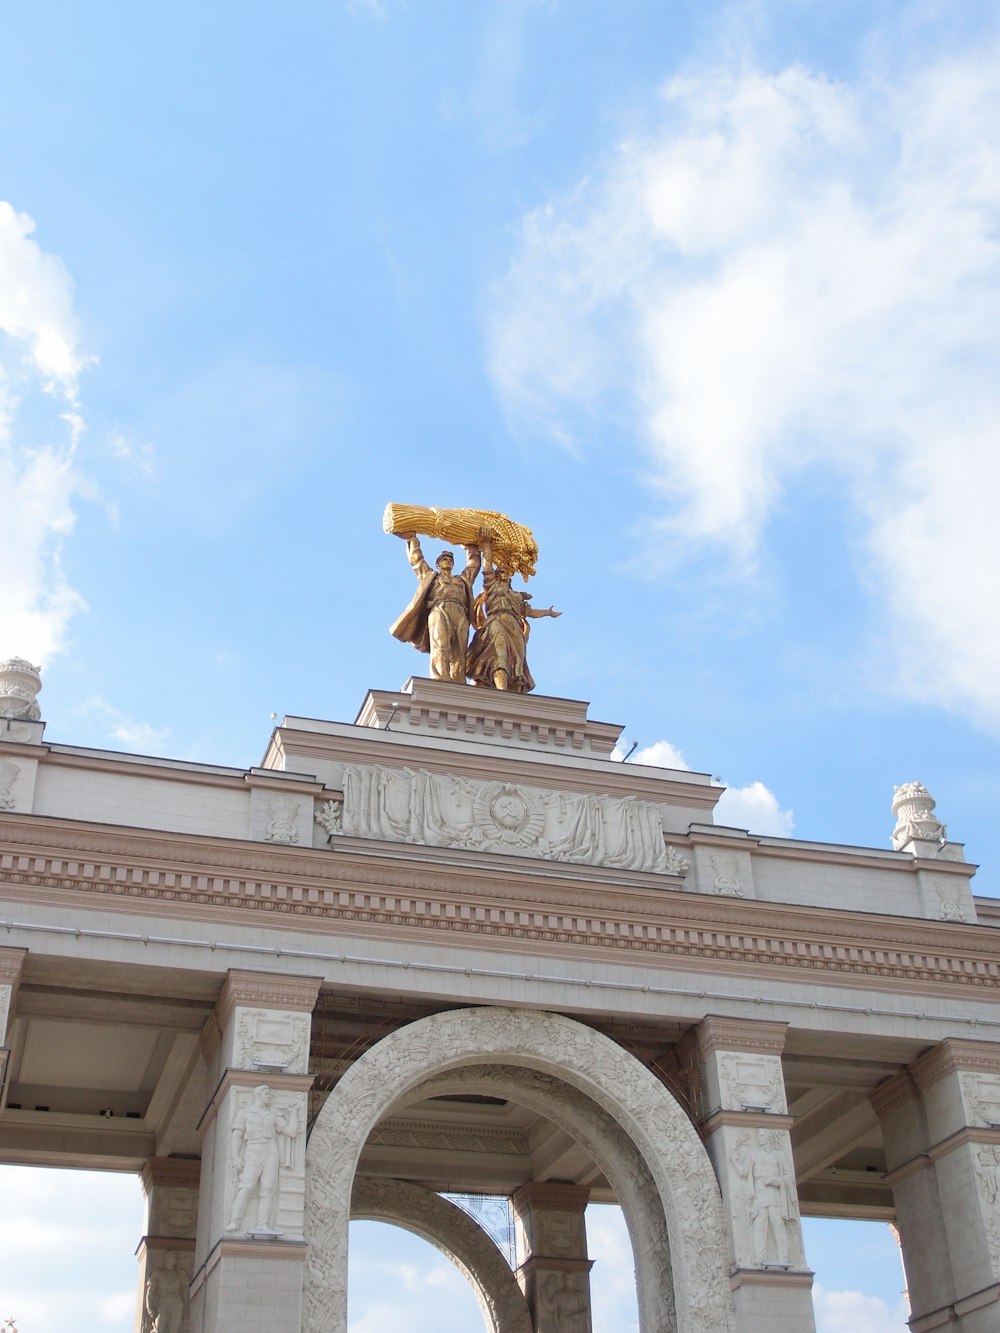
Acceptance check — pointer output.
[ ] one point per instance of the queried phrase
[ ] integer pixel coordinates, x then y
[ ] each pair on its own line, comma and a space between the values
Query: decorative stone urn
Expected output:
20, 683
913, 806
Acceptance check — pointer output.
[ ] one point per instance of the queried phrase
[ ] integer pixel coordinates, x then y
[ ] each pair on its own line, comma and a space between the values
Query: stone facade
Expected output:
457, 947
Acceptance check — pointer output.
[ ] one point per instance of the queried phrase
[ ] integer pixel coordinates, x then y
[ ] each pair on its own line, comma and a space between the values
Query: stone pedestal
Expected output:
746, 1127
941, 1125
250, 1243
555, 1271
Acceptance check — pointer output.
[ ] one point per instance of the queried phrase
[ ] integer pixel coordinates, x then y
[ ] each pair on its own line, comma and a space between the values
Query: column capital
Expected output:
551, 1194
758, 1037
171, 1173
955, 1055
266, 990
11, 966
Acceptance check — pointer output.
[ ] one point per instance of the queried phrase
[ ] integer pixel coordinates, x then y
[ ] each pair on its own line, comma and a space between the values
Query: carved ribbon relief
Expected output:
438, 810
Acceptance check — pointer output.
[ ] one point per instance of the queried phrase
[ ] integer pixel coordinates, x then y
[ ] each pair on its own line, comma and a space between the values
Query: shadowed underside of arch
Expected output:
583, 1060
457, 1236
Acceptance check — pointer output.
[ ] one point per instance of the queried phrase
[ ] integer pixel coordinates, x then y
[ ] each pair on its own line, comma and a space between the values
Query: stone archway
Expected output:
611, 1149
551, 1044
457, 1236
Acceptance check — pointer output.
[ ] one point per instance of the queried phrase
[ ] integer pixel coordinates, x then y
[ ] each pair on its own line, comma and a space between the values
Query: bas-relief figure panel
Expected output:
439, 810
987, 1166
764, 1203
165, 1296
266, 1177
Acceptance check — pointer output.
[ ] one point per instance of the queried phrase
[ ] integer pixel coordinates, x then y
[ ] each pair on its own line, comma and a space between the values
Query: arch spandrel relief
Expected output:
581, 1058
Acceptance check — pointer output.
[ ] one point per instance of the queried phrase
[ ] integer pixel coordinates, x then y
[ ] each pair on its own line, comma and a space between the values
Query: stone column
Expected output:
11, 963
166, 1251
746, 1128
941, 1125
250, 1245
555, 1271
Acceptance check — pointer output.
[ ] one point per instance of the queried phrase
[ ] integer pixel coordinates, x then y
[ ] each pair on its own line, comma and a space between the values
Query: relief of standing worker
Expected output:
498, 652
438, 618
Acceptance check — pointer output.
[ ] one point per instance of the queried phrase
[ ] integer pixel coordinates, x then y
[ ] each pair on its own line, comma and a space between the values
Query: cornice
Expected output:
506, 906
604, 777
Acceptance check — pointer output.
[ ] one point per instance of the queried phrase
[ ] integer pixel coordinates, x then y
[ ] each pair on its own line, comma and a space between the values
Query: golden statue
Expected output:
444, 607
497, 655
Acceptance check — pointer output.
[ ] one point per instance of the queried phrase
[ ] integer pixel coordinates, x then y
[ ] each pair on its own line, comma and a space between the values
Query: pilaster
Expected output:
746, 1128
11, 966
959, 1082
555, 1272
166, 1251
250, 1242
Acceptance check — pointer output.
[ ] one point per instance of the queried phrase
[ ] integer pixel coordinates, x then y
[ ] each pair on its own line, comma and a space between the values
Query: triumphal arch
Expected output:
458, 947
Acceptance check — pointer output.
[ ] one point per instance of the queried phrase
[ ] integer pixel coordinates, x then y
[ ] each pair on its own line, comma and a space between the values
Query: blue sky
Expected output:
704, 293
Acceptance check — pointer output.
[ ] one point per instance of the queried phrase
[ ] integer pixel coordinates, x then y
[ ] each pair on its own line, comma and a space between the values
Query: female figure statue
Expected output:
498, 651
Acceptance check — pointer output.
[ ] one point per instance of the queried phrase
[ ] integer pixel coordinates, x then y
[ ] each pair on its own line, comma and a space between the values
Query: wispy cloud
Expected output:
794, 272
40, 427
141, 737
853, 1312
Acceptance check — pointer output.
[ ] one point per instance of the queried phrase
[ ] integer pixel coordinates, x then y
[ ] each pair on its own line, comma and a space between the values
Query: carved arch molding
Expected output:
610, 1102
456, 1235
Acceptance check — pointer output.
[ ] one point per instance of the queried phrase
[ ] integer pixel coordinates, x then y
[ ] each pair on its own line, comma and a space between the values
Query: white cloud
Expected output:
852, 1312
142, 737
791, 272
40, 366
661, 754
756, 808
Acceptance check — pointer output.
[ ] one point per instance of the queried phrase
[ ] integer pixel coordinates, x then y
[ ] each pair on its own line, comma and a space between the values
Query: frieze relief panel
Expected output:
266, 1038
751, 1082
439, 810
981, 1094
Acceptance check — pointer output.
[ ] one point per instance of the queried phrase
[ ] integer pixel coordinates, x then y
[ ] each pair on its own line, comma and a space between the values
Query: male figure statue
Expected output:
257, 1131
438, 618
772, 1199
166, 1298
